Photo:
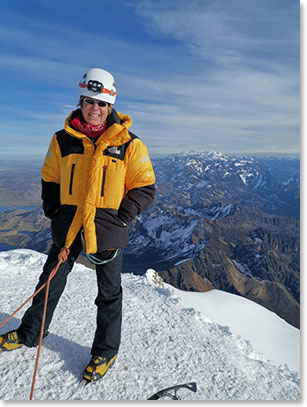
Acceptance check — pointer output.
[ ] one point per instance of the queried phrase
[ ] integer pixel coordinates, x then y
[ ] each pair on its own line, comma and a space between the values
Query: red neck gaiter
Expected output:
88, 129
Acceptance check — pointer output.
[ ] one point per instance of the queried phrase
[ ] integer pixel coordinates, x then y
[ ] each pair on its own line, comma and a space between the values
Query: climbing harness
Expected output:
94, 259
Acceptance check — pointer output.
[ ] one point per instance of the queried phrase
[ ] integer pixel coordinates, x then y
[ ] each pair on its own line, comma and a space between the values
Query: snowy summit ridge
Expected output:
167, 339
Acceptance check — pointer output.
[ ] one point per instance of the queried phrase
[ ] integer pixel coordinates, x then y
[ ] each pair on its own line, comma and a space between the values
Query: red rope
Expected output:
62, 257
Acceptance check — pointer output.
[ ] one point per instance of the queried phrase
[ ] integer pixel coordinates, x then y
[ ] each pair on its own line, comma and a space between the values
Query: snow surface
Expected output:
274, 337
169, 337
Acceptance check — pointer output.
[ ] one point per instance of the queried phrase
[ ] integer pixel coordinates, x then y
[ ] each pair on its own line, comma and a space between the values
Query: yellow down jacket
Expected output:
98, 186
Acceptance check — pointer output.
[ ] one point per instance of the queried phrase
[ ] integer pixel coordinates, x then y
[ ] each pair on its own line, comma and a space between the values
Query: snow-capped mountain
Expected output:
233, 348
268, 184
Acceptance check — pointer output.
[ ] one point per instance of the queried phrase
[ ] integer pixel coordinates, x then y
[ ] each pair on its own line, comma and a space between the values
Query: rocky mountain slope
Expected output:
224, 222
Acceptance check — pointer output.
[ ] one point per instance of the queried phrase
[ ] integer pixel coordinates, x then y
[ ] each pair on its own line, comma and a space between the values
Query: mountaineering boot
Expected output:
10, 341
97, 368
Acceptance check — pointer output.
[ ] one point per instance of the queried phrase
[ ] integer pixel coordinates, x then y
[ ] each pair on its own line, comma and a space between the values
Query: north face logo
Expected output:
114, 150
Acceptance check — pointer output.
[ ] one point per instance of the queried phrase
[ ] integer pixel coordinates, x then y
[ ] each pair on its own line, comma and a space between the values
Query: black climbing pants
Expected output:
108, 301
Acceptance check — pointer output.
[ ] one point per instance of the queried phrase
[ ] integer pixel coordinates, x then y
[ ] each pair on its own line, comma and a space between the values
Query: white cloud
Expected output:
246, 110
226, 32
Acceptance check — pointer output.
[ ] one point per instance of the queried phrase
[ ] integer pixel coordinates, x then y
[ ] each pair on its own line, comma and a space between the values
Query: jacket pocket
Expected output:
110, 231
71, 178
104, 174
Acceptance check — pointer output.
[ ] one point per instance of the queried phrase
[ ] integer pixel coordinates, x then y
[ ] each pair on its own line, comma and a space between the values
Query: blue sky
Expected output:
220, 75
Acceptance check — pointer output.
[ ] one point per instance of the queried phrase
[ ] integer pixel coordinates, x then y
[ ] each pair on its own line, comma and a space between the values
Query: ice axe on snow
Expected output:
171, 392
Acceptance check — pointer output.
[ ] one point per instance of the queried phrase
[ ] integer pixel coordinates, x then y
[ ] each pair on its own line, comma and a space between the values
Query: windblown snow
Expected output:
169, 337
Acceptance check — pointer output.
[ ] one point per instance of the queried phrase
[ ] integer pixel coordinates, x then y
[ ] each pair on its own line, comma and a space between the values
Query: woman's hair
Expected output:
110, 107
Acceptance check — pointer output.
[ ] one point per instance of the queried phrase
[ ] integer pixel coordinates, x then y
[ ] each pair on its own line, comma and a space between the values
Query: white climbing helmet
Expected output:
98, 84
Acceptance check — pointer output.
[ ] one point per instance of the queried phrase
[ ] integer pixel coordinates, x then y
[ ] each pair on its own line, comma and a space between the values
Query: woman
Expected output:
96, 178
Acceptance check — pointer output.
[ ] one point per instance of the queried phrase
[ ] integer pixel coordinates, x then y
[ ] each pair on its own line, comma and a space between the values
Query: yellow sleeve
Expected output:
50, 171
139, 167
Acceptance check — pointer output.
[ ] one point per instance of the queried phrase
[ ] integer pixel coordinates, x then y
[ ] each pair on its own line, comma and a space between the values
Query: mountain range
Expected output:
218, 222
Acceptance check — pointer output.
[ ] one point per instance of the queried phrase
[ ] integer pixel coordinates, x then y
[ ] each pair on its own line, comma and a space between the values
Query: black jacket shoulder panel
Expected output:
126, 145
68, 144
132, 135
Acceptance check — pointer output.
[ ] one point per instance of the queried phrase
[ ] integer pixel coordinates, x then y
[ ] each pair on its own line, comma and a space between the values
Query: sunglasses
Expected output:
100, 103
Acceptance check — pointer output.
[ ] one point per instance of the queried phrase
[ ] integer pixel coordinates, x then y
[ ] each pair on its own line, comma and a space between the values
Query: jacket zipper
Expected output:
71, 178
104, 173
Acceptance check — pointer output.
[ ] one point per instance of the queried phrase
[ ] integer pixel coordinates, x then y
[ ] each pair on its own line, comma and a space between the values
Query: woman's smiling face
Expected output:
92, 112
